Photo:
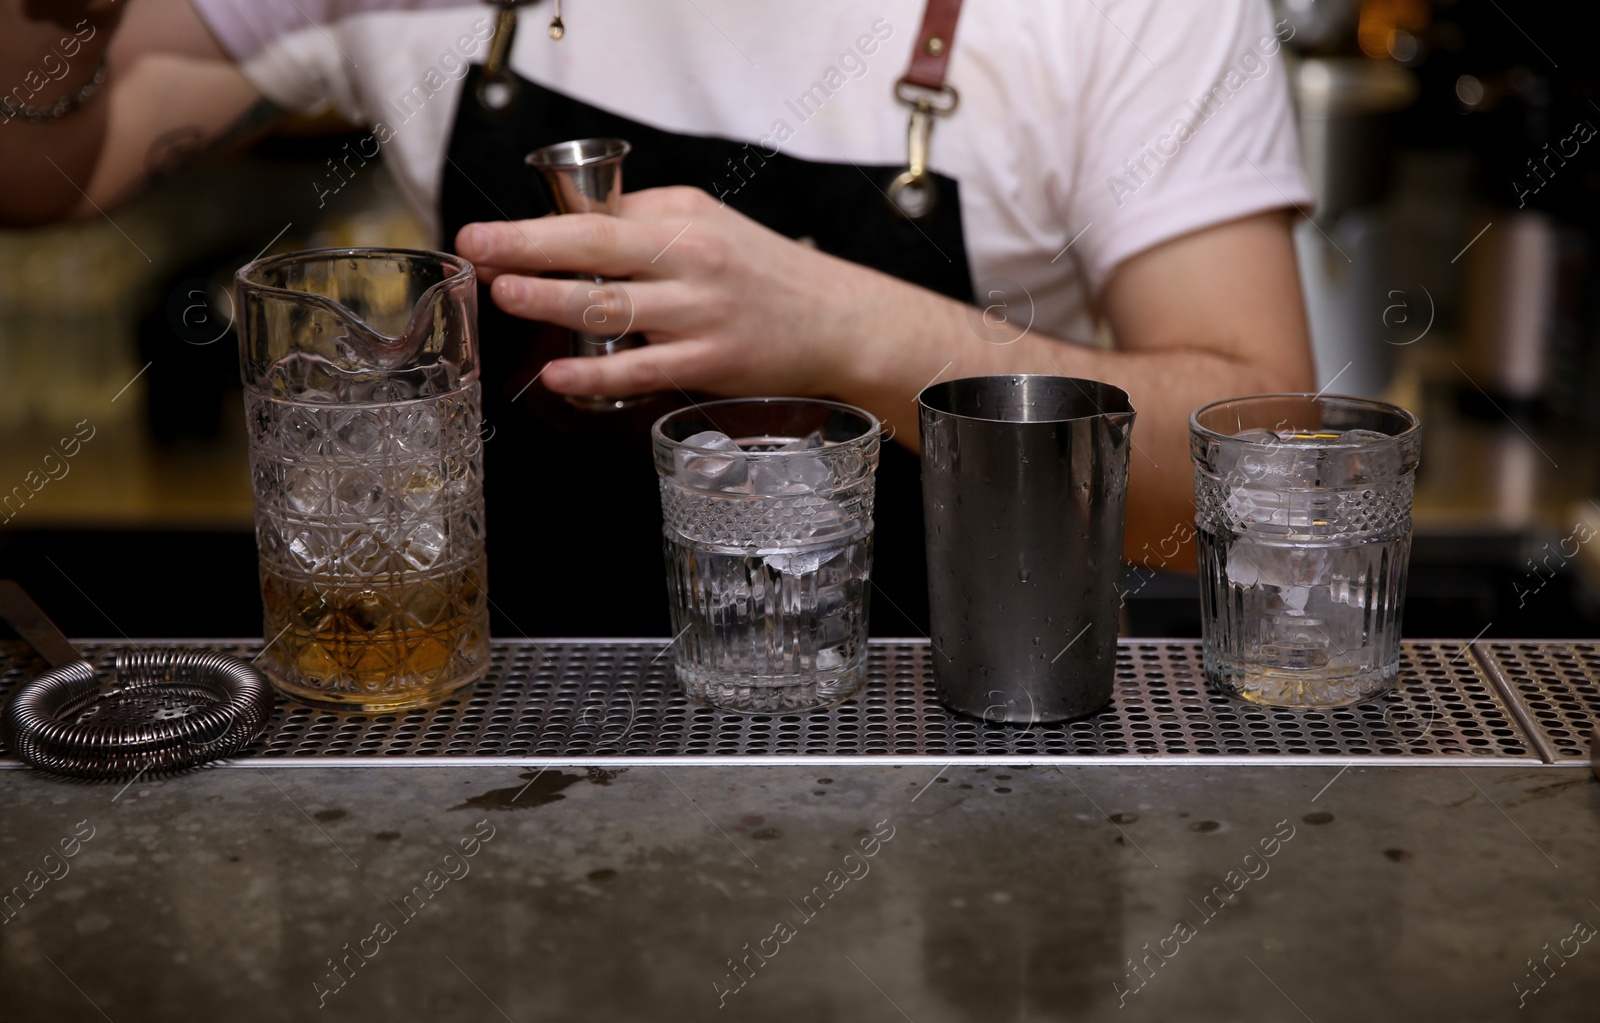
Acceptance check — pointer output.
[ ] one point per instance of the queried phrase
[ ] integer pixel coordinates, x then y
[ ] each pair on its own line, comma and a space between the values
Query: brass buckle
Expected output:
496, 88
913, 192
942, 100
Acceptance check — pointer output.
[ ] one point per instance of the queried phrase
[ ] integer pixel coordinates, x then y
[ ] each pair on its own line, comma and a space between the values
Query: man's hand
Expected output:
727, 305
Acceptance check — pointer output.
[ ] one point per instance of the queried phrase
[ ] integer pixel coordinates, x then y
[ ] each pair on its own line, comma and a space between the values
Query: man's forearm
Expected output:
940, 339
47, 55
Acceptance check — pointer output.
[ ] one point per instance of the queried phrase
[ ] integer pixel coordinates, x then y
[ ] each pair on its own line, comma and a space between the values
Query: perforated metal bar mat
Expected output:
1558, 684
573, 701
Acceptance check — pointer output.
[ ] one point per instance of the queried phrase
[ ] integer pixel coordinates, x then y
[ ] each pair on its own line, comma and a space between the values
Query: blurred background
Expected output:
1447, 266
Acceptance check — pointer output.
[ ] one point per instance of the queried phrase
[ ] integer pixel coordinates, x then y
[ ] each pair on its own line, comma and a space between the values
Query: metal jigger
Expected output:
585, 176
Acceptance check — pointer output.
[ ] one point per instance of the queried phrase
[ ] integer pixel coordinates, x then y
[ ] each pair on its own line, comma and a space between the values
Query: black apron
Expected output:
574, 519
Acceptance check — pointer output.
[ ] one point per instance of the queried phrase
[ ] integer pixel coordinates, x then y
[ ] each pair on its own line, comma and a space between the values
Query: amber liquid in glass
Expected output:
377, 645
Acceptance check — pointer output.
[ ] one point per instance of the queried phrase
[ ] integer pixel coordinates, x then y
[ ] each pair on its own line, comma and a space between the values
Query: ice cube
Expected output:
1350, 582
1371, 462
359, 434
1242, 568
710, 461
1244, 459
416, 430
808, 442
425, 544
1341, 608
1292, 571
1296, 461
827, 519
1267, 485
307, 490
310, 549
789, 470
358, 492
420, 488
713, 440
1270, 460
803, 562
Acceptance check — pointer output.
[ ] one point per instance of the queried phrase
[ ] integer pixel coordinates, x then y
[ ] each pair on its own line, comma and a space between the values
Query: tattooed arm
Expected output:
170, 95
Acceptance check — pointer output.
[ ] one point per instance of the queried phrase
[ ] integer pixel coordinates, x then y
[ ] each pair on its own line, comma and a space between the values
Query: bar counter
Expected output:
571, 840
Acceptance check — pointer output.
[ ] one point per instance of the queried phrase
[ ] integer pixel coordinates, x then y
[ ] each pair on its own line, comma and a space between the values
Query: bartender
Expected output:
835, 199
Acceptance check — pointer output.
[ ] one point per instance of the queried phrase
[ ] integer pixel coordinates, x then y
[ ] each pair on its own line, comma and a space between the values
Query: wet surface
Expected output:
543, 787
710, 893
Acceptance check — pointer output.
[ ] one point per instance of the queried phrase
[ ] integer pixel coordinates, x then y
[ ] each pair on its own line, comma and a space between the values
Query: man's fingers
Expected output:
671, 366
674, 201
487, 273
594, 243
609, 309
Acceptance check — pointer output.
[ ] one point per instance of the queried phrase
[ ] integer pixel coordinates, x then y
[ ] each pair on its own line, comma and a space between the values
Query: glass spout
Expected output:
341, 326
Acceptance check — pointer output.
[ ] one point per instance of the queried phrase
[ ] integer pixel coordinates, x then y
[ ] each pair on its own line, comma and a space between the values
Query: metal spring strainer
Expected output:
163, 710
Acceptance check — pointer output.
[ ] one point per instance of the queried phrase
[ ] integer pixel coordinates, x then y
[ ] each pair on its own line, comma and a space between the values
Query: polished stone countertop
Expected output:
1319, 891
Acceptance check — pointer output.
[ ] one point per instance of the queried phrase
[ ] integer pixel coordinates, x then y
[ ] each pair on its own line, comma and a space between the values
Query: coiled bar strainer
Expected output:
163, 710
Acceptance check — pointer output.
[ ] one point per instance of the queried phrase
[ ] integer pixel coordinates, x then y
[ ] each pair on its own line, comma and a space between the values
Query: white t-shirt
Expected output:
1087, 131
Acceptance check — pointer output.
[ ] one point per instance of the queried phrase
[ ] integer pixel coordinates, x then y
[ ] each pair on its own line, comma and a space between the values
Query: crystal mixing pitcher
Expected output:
363, 407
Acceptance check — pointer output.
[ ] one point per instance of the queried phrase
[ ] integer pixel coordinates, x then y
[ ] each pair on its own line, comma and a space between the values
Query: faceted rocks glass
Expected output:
767, 509
1303, 529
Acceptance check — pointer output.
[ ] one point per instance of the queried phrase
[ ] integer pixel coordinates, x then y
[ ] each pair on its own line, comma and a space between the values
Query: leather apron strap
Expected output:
923, 89
935, 40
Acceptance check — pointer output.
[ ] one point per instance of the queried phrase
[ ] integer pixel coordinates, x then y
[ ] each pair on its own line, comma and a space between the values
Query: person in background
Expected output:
1111, 198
